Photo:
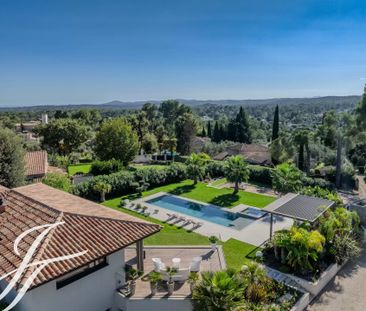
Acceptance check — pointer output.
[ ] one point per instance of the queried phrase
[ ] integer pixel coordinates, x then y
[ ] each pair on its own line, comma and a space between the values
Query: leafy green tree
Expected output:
170, 143
150, 143
171, 110
63, 135
276, 124
11, 159
91, 117
236, 171
102, 188
185, 131
58, 181
140, 125
116, 140
286, 177
196, 166
361, 111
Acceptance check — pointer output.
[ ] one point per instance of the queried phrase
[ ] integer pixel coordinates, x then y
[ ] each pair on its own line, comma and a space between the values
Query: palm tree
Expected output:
218, 291
102, 188
196, 166
236, 170
286, 177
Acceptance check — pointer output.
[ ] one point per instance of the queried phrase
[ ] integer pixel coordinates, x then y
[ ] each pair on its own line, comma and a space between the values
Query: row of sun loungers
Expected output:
184, 220
177, 218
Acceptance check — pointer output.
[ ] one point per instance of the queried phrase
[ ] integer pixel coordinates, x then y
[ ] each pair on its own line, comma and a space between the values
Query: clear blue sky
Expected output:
81, 52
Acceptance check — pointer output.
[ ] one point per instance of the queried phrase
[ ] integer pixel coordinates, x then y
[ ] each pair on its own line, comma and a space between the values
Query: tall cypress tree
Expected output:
216, 133
203, 131
243, 132
276, 124
209, 132
222, 133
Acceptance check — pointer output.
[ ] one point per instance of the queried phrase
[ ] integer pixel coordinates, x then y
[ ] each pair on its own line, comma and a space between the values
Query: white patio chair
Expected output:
182, 275
195, 264
158, 264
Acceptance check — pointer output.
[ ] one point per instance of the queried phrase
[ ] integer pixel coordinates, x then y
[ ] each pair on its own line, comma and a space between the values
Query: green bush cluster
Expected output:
261, 174
106, 167
126, 182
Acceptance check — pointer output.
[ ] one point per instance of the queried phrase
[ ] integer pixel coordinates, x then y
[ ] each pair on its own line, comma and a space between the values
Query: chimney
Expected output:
2, 205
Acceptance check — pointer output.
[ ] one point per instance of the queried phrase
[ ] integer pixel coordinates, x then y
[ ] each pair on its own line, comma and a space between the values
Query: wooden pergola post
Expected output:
140, 255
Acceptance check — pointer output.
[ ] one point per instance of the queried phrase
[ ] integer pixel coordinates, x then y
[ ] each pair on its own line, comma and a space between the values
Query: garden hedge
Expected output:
125, 182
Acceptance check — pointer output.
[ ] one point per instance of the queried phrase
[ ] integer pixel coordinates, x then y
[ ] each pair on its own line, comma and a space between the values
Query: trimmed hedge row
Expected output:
126, 182
106, 167
257, 173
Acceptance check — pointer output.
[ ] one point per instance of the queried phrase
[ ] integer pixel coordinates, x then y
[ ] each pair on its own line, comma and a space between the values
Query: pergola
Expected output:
298, 207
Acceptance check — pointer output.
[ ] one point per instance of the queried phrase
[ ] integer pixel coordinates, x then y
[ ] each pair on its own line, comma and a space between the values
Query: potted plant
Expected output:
154, 278
192, 280
213, 241
132, 276
171, 272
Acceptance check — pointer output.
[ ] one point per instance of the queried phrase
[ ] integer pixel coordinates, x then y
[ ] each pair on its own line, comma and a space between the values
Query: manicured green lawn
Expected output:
219, 182
235, 251
220, 197
79, 168
238, 253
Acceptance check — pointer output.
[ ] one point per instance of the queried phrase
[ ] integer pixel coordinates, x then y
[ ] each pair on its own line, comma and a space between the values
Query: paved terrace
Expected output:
255, 233
212, 261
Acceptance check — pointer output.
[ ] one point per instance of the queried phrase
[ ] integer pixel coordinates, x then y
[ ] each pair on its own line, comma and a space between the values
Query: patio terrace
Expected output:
211, 261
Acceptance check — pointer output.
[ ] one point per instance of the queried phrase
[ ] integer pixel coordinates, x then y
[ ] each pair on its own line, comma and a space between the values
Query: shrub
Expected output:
260, 174
345, 247
106, 167
125, 182
58, 181
215, 169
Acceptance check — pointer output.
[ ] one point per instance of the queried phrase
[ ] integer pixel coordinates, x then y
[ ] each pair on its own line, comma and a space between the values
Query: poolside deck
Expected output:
212, 261
256, 233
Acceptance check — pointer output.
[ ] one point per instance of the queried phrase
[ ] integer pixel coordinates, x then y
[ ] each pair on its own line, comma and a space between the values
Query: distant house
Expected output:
198, 143
36, 165
254, 153
88, 282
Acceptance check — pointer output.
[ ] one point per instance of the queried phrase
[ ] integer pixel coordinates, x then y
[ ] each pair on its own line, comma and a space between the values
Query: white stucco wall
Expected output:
153, 304
94, 292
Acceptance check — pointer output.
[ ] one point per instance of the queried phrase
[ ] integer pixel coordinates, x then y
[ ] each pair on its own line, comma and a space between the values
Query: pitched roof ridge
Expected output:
41, 249
111, 219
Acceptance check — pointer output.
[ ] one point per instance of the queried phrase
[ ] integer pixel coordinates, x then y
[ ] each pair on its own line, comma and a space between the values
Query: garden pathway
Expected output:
347, 291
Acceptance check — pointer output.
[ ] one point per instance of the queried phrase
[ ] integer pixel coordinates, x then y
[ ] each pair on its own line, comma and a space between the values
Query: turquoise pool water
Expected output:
205, 212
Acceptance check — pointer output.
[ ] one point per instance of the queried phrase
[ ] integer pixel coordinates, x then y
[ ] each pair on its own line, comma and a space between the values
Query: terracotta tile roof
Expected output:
36, 163
100, 234
254, 153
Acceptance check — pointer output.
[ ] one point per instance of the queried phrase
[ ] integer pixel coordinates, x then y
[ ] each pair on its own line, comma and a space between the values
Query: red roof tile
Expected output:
99, 235
36, 163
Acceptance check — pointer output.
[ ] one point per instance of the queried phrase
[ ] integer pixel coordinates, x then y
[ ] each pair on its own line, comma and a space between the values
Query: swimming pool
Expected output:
205, 212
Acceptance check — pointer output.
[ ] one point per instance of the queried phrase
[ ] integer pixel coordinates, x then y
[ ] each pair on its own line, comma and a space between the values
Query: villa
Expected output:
88, 282
97, 280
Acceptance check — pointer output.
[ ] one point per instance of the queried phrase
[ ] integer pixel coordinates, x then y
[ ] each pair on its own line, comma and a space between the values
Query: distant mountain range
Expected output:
116, 104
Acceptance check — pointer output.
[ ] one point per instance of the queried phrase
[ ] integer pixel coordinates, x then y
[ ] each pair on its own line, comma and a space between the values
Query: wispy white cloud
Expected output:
362, 79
